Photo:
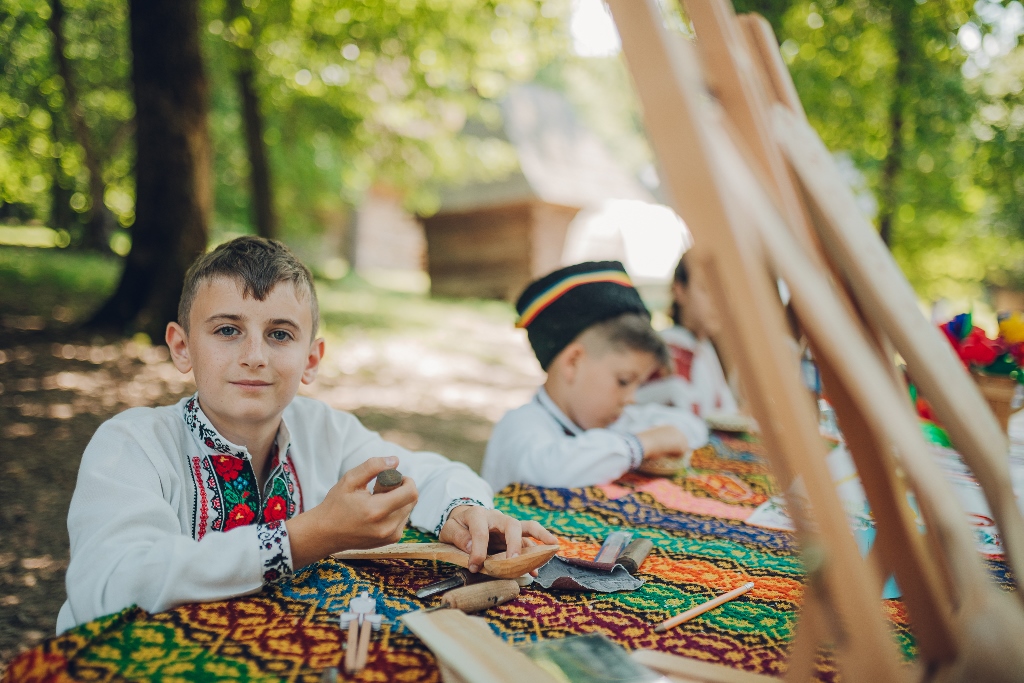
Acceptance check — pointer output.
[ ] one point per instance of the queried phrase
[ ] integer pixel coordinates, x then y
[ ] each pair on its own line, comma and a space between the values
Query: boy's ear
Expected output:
177, 344
316, 354
569, 360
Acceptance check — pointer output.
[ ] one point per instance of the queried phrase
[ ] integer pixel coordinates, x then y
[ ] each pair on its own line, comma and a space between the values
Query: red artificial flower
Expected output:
978, 349
276, 509
240, 515
227, 466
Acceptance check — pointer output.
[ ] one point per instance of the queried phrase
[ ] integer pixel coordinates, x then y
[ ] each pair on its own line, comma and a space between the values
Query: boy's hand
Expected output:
351, 517
478, 529
663, 441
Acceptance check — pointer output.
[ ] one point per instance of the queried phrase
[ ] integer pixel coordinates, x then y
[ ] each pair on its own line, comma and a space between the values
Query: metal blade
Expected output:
441, 586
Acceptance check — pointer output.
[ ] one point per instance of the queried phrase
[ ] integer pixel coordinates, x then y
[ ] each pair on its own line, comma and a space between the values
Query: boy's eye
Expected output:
226, 331
280, 335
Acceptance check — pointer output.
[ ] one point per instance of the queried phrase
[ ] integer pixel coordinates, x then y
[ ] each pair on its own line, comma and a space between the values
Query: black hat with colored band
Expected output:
559, 306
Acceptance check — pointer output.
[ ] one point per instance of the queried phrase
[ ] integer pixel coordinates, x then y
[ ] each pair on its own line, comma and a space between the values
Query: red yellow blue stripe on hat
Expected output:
555, 291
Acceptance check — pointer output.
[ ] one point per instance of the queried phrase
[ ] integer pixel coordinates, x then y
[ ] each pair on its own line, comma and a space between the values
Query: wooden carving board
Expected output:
467, 650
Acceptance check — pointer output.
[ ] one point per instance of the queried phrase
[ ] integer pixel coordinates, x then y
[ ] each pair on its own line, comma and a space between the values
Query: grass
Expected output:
54, 283
67, 285
352, 304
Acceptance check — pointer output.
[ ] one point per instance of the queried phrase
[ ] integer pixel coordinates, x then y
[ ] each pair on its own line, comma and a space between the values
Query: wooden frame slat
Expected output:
668, 82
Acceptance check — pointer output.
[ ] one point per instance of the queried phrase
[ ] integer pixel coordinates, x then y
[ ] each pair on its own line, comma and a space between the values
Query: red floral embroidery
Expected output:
682, 361
227, 466
240, 515
276, 509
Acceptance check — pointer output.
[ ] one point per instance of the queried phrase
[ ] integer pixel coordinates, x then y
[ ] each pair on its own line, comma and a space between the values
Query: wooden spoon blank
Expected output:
496, 565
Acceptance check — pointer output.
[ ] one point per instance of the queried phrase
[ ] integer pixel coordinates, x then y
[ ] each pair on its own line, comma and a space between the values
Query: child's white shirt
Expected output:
697, 383
163, 511
538, 444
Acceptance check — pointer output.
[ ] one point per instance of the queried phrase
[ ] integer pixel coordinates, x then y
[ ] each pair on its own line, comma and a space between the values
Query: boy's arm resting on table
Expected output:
533, 455
128, 547
437, 496
638, 418
439, 481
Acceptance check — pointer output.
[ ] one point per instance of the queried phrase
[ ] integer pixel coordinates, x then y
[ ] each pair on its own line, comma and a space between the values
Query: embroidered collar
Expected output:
207, 435
568, 426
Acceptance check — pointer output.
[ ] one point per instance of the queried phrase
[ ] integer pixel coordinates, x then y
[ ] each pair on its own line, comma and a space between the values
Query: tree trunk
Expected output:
172, 179
99, 222
259, 168
261, 190
902, 37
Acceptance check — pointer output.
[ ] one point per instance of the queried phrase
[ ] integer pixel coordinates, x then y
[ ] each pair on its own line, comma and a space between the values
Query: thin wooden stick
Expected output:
695, 612
765, 48
811, 630
364, 644
353, 644
733, 79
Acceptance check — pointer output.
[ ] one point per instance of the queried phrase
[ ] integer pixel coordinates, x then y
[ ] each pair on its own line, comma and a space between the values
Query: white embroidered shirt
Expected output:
697, 383
167, 511
538, 444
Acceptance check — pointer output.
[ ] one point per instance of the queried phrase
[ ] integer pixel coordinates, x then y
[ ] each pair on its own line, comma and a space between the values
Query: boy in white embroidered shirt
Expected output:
244, 481
592, 335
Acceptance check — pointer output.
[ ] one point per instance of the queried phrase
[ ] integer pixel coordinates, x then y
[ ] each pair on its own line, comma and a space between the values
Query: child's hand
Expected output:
351, 517
662, 441
473, 529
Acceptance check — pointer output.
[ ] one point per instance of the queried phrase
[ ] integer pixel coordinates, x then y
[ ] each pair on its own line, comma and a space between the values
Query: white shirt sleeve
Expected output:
441, 483
637, 418
127, 541
529, 446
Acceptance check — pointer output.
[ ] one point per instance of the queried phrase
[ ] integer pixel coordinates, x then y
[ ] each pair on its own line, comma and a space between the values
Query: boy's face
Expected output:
600, 384
248, 356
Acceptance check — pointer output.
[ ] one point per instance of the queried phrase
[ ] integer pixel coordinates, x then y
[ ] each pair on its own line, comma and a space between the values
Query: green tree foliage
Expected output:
353, 93
42, 174
883, 84
376, 91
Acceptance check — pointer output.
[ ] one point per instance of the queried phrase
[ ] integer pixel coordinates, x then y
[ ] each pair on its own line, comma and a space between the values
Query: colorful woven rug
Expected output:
290, 632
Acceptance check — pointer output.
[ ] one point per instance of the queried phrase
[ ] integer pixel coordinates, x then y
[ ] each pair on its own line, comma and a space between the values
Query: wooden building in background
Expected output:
489, 240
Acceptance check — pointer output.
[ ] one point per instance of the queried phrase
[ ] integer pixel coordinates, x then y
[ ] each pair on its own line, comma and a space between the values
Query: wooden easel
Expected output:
764, 200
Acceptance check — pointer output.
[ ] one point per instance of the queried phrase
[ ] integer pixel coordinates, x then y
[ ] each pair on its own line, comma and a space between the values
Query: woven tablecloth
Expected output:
290, 631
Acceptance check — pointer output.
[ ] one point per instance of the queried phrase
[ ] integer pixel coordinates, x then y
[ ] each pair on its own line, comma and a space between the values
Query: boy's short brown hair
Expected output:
258, 263
629, 331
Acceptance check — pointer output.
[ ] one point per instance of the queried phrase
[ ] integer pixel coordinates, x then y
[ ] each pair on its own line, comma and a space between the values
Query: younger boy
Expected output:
244, 482
592, 335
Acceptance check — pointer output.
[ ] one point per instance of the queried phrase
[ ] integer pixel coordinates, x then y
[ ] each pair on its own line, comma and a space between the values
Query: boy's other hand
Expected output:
351, 517
478, 530
662, 441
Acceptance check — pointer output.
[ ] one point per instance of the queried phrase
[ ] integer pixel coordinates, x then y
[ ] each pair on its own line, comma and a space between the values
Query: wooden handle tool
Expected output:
496, 565
634, 554
387, 480
480, 596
